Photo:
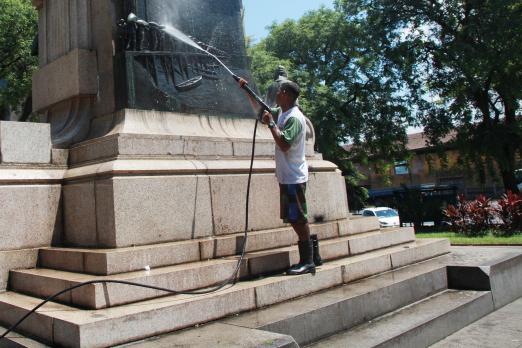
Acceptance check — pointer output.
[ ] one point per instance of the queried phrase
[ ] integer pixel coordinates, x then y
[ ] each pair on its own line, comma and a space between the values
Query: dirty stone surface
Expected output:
502, 328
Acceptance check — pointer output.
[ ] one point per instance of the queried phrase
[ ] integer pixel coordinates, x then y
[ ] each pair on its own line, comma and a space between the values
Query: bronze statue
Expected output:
280, 75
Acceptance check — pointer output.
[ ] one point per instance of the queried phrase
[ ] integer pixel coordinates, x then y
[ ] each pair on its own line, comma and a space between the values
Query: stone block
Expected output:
154, 256
105, 147
400, 290
358, 224
28, 215
207, 147
281, 288
326, 196
79, 204
378, 240
25, 142
505, 279
14, 306
60, 157
104, 215
314, 316
113, 261
228, 245
127, 324
15, 259
43, 283
228, 195
334, 249
326, 230
269, 261
257, 240
423, 249
180, 278
159, 209
459, 313
62, 259
269, 239
244, 148
362, 267
222, 335
145, 144
139, 210
72, 75
418, 325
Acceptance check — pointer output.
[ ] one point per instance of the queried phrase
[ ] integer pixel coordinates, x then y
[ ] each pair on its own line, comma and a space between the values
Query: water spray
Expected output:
179, 35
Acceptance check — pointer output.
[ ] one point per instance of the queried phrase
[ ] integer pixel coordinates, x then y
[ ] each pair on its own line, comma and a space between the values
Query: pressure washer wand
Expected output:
244, 84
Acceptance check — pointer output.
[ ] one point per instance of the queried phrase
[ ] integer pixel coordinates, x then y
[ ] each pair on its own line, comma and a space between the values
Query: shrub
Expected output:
471, 218
510, 211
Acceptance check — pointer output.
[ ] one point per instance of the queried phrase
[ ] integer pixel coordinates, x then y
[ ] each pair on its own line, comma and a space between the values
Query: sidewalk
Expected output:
500, 329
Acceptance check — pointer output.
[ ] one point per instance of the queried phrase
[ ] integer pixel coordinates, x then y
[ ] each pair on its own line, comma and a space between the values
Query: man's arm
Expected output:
283, 138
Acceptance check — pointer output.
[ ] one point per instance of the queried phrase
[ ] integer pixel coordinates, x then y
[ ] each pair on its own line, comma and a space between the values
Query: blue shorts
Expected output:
293, 203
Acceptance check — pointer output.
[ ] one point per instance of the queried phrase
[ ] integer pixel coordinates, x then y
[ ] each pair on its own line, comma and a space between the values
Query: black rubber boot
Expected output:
306, 254
315, 243
301, 257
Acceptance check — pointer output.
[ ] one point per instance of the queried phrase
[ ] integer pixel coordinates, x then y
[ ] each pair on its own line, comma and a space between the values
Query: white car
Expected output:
388, 217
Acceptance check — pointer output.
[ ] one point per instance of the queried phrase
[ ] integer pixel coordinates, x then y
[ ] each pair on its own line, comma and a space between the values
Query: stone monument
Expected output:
138, 173
152, 123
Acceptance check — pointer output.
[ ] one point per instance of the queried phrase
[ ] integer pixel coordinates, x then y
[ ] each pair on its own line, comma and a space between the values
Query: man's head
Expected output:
287, 94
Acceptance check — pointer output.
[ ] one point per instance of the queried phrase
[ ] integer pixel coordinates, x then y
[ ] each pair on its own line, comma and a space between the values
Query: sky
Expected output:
261, 13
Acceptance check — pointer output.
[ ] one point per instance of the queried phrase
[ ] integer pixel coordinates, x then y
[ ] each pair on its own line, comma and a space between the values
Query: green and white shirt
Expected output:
291, 166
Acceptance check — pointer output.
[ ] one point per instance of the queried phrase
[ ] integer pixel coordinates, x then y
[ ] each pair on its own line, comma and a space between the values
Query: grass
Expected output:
458, 239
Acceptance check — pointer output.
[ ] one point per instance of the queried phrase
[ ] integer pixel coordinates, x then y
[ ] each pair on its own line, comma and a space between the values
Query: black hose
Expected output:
231, 280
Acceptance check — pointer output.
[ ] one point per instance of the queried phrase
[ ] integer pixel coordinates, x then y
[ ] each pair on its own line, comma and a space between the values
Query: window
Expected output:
386, 213
401, 168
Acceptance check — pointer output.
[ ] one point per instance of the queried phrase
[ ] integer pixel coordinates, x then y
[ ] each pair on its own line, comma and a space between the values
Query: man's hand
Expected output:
242, 82
267, 117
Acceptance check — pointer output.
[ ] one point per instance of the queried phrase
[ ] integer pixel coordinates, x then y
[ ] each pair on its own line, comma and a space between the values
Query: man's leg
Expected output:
293, 210
302, 230
306, 263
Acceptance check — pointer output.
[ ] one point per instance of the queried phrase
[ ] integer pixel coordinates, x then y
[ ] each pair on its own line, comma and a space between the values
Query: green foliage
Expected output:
462, 65
263, 66
488, 239
476, 217
18, 26
348, 91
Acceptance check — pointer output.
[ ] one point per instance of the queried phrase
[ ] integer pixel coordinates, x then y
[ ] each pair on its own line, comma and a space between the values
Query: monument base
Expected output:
30, 194
162, 177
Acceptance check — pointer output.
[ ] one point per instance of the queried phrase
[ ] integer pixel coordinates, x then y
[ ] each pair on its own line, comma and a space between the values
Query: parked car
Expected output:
388, 217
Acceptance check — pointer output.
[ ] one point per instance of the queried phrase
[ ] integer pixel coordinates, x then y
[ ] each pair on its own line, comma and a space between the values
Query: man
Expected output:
289, 134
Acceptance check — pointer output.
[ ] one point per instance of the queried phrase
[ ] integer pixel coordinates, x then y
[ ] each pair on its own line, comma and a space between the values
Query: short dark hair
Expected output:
291, 88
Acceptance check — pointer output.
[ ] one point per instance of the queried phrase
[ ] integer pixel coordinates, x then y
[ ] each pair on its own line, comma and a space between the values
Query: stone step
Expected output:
218, 335
14, 340
43, 282
418, 325
114, 261
276, 260
58, 324
323, 314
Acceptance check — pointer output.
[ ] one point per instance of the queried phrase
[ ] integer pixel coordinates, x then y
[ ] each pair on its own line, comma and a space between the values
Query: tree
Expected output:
461, 61
349, 92
18, 26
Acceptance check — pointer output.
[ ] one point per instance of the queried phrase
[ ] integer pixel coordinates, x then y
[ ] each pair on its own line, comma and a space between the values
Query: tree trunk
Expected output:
509, 180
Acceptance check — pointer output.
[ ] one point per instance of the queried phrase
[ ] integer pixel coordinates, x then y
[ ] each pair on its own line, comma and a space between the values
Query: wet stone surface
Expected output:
159, 64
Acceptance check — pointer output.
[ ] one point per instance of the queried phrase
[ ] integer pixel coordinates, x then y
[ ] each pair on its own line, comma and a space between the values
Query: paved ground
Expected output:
500, 329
